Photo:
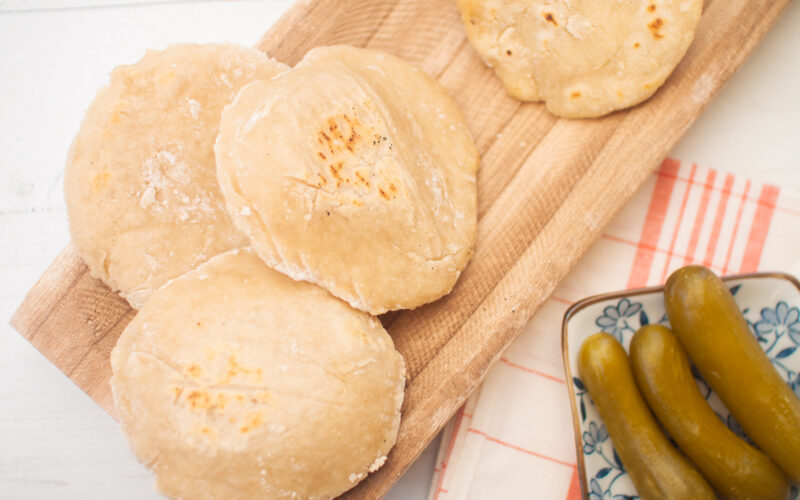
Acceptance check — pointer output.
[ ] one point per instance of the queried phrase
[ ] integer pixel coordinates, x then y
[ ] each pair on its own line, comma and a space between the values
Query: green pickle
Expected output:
656, 467
733, 467
715, 335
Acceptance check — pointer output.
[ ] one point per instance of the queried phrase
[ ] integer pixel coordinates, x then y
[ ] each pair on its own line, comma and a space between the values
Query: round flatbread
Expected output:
584, 58
140, 181
236, 382
354, 171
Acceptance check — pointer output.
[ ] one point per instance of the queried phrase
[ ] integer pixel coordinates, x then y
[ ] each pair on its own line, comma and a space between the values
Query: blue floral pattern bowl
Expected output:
771, 305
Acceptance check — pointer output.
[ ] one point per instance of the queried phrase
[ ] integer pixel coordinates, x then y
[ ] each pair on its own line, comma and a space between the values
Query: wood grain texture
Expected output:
546, 188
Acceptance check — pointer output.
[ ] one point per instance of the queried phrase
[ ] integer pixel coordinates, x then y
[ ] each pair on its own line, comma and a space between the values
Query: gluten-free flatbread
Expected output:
355, 171
584, 58
140, 181
237, 382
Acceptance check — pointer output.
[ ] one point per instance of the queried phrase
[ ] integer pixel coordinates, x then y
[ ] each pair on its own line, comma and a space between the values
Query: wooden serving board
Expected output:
546, 189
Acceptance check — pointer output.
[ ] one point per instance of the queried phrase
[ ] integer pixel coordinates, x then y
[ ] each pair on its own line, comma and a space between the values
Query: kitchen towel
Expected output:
514, 436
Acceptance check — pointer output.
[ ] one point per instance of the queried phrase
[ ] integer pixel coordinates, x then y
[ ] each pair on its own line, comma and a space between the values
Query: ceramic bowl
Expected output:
770, 303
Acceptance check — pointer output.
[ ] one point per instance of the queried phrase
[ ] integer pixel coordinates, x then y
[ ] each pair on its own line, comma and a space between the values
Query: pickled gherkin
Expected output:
715, 335
656, 467
734, 468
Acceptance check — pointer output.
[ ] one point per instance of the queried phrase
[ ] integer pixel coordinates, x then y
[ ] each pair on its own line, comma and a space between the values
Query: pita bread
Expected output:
140, 182
584, 58
354, 171
236, 382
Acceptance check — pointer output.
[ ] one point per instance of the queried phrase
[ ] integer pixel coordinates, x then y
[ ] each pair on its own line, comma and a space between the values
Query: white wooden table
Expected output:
54, 54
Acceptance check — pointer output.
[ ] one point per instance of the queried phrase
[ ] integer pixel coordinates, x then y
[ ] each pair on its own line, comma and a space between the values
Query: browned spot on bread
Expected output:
199, 400
338, 137
361, 178
341, 136
325, 140
383, 193
202, 400
194, 370
100, 181
637, 45
252, 421
322, 180
392, 188
508, 51
575, 95
655, 26
335, 169
651, 7
207, 431
221, 400
351, 141
235, 369
548, 16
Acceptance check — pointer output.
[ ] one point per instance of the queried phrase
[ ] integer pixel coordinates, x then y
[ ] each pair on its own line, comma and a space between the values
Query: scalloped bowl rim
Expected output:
620, 294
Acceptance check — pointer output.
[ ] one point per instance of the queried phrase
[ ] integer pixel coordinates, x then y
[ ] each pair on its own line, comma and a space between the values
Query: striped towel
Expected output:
514, 438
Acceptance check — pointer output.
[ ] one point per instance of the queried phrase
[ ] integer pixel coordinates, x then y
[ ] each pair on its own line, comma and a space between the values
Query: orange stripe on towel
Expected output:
759, 229
736, 223
653, 223
677, 229
717, 227
519, 448
450, 446
574, 491
531, 370
701, 217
